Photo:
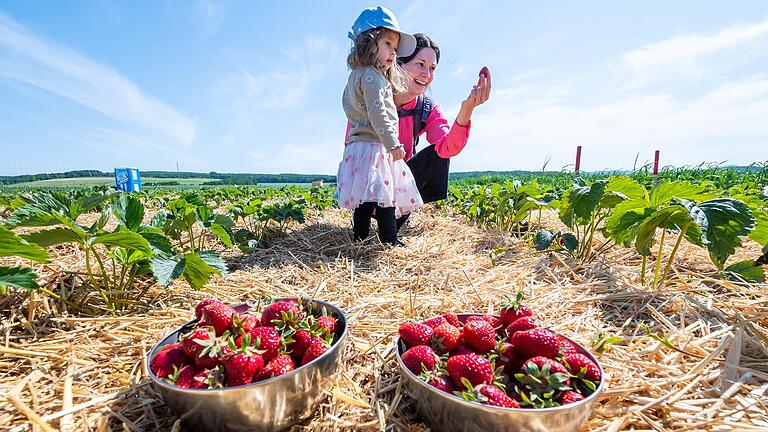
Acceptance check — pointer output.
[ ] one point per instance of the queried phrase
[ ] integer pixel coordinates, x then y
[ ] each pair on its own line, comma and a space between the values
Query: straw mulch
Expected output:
64, 371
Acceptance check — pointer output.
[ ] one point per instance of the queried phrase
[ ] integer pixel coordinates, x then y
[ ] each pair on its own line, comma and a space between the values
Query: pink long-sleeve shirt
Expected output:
448, 140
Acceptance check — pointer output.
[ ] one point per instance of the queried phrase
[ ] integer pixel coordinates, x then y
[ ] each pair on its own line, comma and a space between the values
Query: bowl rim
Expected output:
162, 383
589, 399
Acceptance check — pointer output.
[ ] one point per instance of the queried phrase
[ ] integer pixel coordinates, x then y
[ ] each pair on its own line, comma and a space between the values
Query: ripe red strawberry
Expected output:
445, 338
208, 378
508, 358
243, 323
242, 367
542, 378
183, 377
317, 348
566, 346
279, 365
442, 382
301, 341
495, 396
495, 322
194, 342
218, 316
171, 357
265, 339
200, 306
480, 336
520, 324
419, 357
569, 397
434, 321
462, 348
582, 367
328, 323
414, 334
536, 342
485, 72
281, 312
472, 367
554, 367
453, 319
513, 309
213, 354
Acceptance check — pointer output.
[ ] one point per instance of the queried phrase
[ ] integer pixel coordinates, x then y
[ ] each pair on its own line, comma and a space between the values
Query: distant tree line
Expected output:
223, 178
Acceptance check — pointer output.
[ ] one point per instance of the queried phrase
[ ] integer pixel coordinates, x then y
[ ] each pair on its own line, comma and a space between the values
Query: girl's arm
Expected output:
380, 107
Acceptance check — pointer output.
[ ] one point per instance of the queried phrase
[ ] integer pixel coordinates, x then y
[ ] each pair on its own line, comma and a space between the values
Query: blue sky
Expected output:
255, 86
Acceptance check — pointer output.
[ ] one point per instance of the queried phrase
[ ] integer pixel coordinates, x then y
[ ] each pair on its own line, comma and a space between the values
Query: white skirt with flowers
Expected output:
368, 174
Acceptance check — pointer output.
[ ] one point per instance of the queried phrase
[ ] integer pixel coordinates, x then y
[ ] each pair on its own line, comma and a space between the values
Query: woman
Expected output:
419, 115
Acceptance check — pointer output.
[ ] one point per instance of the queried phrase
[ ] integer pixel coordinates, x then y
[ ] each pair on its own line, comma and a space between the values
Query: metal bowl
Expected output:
270, 405
446, 412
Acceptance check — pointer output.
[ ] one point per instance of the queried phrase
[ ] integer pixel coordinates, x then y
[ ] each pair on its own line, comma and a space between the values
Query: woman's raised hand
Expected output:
477, 96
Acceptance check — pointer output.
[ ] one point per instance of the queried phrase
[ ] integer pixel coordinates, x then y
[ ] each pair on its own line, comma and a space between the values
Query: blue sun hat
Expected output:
374, 17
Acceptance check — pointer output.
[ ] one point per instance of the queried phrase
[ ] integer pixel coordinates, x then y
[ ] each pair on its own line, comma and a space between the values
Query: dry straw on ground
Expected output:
62, 371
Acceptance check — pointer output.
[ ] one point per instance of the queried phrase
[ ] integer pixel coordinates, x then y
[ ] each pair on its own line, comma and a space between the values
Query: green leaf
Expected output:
13, 245
198, 272
627, 187
213, 259
158, 241
52, 237
166, 269
42, 211
622, 225
543, 240
760, 233
124, 239
570, 242
722, 222
129, 211
17, 277
159, 219
222, 233
665, 191
646, 231
745, 271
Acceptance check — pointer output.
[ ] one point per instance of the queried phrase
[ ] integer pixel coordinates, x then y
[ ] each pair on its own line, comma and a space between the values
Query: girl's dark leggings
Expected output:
361, 222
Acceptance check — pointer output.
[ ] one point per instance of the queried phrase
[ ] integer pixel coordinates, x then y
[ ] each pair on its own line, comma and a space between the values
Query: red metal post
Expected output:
656, 166
578, 159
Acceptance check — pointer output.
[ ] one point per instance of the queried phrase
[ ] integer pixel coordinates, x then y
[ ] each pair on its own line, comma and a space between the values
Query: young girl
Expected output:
372, 174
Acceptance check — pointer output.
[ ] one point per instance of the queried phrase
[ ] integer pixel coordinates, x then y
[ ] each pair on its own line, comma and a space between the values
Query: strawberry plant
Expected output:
19, 277
128, 251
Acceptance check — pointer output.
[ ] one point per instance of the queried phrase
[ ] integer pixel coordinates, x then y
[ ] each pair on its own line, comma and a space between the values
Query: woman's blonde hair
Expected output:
364, 53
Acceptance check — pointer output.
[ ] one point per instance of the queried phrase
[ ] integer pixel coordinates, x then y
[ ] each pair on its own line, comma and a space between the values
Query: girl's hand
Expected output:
477, 96
397, 153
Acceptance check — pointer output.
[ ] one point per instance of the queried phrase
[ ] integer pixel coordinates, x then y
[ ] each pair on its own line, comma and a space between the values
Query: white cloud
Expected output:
722, 119
212, 13
697, 55
30, 59
279, 82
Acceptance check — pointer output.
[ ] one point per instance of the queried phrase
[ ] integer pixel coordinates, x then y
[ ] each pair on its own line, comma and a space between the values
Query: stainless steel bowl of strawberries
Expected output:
260, 367
475, 372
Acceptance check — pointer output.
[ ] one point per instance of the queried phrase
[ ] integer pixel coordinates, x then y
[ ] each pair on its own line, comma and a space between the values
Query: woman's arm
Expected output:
450, 140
